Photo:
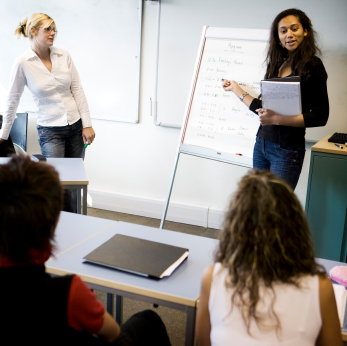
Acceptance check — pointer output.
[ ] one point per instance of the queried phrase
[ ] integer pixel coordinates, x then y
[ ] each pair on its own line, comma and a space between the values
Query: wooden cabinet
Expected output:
326, 200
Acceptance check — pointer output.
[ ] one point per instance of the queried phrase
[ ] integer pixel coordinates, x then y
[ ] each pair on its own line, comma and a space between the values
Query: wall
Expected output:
130, 166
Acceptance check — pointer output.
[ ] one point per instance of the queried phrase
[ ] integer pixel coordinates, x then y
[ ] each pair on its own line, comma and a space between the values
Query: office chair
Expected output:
19, 131
18, 149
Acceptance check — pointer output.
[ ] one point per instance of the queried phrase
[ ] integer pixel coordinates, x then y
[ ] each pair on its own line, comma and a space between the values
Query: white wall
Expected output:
130, 166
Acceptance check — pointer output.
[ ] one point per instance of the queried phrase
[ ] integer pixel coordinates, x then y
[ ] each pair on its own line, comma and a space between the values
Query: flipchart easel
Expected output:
216, 125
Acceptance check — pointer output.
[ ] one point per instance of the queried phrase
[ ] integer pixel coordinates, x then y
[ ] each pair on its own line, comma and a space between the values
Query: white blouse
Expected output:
297, 309
58, 95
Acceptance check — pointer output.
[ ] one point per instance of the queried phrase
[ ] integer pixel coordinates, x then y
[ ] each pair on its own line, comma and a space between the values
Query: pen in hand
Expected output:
85, 145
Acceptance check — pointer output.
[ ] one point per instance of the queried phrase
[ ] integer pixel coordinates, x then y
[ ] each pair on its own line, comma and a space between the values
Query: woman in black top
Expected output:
280, 142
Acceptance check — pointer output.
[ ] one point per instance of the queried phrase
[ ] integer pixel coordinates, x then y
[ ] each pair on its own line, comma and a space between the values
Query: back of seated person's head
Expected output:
265, 239
30, 203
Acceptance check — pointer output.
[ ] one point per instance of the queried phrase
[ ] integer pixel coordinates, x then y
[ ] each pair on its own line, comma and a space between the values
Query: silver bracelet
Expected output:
243, 96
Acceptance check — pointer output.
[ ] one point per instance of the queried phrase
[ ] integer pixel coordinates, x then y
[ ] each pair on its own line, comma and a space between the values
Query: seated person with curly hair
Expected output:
265, 287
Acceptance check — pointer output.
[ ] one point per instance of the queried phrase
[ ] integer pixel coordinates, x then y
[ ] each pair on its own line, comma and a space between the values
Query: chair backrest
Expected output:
19, 130
18, 149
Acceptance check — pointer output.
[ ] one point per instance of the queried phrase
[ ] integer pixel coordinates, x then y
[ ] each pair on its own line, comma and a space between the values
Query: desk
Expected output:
72, 175
73, 229
179, 291
77, 235
326, 202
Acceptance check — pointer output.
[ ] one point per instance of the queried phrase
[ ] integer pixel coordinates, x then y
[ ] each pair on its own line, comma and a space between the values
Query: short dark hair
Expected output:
302, 56
30, 203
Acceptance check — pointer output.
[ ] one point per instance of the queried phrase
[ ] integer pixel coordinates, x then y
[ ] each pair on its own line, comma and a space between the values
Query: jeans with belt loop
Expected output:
286, 163
63, 141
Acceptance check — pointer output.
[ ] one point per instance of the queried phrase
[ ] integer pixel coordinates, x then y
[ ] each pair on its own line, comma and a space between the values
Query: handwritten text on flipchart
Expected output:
218, 120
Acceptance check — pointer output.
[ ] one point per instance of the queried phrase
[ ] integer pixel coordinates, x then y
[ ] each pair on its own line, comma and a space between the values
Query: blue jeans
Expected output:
286, 163
63, 141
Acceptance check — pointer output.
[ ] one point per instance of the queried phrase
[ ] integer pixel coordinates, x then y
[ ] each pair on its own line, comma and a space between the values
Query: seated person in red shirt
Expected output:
34, 306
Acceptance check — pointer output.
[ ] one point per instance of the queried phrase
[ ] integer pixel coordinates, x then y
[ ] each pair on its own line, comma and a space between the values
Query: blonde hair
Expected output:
33, 21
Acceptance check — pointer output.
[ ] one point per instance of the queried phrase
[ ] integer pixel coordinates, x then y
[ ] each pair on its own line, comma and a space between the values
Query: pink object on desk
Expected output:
339, 274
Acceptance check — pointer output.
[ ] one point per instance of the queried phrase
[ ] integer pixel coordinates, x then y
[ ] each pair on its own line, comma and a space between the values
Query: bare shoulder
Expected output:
326, 293
208, 271
207, 277
330, 333
325, 287
203, 323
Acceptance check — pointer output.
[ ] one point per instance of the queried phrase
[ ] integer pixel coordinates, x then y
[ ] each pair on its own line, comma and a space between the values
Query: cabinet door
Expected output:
327, 206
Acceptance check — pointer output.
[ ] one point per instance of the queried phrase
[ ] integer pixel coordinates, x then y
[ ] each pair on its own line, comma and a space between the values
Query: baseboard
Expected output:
215, 218
151, 207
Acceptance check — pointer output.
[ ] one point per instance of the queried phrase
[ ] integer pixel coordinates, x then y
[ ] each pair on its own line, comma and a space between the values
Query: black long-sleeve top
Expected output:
315, 109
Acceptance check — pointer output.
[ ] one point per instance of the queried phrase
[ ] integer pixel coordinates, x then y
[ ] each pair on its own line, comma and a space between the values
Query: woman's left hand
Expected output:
267, 116
88, 135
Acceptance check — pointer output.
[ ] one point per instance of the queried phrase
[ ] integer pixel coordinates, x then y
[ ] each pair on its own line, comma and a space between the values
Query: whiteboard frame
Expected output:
218, 33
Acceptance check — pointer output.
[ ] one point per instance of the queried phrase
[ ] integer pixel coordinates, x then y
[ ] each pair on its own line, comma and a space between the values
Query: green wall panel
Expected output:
326, 205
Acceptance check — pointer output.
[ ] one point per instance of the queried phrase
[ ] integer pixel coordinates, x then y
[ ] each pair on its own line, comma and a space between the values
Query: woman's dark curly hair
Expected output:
265, 240
300, 58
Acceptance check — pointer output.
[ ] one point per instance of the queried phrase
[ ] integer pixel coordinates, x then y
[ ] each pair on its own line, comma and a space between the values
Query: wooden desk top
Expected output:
326, 147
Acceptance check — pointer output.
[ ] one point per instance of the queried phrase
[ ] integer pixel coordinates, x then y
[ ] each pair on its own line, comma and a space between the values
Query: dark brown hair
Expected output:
265, 239
300, 59
30, 203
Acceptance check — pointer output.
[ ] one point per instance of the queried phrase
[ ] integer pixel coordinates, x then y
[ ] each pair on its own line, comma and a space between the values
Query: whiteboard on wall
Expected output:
103, 38
179, 44
217, 124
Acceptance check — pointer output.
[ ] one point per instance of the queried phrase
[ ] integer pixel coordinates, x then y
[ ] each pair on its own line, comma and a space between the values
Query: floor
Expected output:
174, 320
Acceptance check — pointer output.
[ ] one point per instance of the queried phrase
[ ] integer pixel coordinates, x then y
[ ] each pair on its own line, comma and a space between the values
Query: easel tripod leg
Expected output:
170, 190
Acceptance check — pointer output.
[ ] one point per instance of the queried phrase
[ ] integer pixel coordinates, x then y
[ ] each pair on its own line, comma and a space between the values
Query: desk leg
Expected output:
84, 201
109, 303
79, 201
119, 309
190, 326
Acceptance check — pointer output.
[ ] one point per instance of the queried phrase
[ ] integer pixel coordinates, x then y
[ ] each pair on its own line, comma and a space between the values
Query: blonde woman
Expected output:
63, 119
265, 287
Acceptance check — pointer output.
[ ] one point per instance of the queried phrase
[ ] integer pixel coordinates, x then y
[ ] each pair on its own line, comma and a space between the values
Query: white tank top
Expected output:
297, 309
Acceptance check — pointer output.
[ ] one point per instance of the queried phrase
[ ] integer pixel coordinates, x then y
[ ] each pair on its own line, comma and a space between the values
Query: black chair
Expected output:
6, 147
17, 140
